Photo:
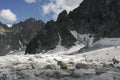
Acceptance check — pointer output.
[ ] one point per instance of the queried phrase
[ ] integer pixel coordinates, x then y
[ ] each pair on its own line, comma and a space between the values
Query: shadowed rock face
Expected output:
19, 35
49, 37
4, 38
23, 32
99, 17
46, 39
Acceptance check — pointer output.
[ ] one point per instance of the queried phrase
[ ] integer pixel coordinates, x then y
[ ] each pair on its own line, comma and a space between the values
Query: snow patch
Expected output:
86, 39
108, 42
74, 49
74, 33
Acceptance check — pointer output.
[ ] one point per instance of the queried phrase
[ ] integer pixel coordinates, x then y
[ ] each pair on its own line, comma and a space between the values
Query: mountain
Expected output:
19, 35
4, 38
100, 18
49, 37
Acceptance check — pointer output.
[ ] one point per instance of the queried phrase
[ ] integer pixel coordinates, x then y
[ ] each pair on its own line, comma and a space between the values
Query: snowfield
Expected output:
100, 64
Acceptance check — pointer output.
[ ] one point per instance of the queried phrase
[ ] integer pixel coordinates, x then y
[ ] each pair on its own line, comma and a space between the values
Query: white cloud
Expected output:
31, 1
56, 6
9, 25
7, 16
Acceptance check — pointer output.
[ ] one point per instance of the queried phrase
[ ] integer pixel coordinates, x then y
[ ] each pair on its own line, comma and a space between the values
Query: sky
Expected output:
14, 11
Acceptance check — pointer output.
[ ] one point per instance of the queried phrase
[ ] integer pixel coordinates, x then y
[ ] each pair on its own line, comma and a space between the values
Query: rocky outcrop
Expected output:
65, 26
19, 35
23, 32
46, 39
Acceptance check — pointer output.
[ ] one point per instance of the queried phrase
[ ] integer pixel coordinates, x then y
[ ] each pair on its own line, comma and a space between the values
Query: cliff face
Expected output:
98, 17
49, 37
19, 35
23, 32
4, 31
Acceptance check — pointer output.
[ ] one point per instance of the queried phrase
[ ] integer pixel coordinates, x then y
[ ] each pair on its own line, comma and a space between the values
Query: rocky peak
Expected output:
30, 20
62, 15
3, 29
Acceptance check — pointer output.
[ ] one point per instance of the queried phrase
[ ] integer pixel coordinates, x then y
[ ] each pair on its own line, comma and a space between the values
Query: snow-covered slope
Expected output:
108, 42
86, 39
92, 43
103, 43
94, 65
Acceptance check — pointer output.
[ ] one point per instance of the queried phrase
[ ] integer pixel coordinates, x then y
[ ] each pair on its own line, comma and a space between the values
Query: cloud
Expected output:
57, 6
9, 25
31, 1
7, 16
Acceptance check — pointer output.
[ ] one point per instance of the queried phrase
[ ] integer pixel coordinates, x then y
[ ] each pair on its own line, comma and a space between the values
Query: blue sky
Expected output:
13, 11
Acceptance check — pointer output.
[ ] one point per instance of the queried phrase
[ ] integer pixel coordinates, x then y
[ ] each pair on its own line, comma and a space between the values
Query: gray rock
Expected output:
82, 65
100, 71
